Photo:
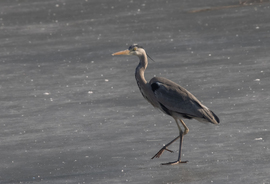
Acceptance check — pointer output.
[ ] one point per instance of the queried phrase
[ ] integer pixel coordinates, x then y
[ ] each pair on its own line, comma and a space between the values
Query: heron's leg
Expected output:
185, 126
181, 135
159, 153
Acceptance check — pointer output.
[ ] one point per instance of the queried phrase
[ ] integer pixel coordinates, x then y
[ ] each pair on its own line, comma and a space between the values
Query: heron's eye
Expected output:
135, 48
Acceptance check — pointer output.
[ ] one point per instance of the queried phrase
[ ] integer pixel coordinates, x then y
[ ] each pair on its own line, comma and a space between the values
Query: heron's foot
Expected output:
175, 162
160, 152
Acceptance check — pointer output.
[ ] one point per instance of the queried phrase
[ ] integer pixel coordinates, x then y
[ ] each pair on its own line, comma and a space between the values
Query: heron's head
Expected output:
132, 50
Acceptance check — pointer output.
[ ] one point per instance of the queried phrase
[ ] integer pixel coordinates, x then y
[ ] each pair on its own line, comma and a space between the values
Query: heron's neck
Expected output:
142, 83
139, 73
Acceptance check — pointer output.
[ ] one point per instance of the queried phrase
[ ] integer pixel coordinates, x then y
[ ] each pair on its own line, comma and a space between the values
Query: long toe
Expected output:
160, 152
175, 162
184, 162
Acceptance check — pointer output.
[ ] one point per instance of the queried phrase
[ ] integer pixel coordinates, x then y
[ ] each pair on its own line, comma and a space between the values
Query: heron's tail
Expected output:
215, 119
209, 115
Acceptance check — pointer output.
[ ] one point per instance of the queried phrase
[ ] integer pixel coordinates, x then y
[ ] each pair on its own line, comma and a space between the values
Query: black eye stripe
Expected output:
134, 45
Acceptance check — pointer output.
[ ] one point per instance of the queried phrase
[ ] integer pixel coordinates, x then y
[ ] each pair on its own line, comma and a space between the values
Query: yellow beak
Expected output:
124, 52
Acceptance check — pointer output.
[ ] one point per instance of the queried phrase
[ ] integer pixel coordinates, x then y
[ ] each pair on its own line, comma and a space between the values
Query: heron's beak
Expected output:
124, 52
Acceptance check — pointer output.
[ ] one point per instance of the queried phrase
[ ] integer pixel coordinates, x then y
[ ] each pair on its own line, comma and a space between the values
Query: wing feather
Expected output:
179, 100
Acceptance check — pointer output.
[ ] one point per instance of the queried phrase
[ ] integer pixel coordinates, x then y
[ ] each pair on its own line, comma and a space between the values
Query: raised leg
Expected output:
178, 161
159, 153
181, 135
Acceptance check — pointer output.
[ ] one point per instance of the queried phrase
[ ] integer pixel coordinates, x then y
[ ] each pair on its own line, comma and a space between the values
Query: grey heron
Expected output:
170, 98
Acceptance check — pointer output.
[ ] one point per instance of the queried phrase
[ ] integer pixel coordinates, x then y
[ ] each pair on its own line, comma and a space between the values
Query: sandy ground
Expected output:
72, 113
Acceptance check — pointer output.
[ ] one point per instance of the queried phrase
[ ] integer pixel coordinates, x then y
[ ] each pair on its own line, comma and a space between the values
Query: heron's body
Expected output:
169, 97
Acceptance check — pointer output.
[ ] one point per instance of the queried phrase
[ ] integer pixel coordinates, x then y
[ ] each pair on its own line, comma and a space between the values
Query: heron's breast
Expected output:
141, 90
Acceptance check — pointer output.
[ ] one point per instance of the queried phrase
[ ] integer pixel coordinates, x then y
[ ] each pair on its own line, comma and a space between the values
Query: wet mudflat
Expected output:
72, 113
